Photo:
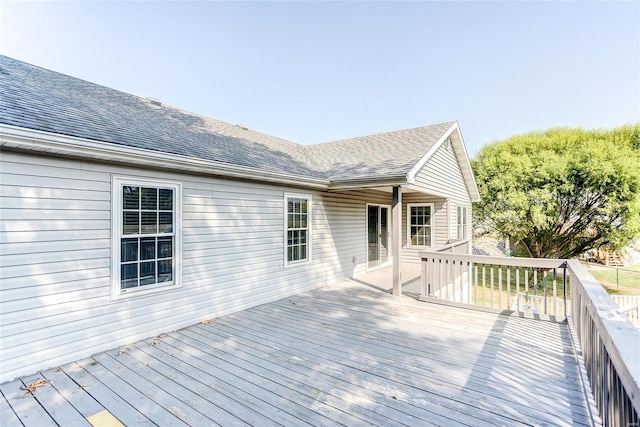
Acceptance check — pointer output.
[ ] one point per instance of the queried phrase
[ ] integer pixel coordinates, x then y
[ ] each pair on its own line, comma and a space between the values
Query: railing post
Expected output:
564, 287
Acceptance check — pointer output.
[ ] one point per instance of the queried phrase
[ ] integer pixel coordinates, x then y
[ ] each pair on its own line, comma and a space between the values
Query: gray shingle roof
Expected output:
384, 154
44, 100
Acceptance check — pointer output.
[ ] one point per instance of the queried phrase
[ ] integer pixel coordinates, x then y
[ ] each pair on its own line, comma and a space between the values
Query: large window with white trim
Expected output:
298, 228
146, 235
420, 224
461, 221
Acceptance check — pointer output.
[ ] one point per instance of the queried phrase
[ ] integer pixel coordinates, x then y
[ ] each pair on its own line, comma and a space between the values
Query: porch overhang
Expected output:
374, 183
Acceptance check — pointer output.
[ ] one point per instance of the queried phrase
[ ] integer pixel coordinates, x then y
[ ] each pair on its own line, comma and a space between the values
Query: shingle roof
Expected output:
384, 154
39, 99
44, 100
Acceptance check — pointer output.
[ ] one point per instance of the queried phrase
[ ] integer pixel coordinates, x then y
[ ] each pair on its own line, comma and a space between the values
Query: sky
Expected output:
314, 72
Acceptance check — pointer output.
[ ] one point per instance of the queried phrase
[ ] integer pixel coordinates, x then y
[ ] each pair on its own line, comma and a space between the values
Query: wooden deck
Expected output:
342, 355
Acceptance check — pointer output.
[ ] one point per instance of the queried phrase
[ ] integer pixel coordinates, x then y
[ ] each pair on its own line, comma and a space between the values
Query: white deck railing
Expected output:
462, 246
630, 304
536, 286
608, 341
610, 349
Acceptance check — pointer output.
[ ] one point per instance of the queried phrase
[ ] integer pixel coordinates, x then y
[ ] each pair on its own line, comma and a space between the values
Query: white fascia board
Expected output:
474, 192
370, 183
465, 164
39, 141
411, 175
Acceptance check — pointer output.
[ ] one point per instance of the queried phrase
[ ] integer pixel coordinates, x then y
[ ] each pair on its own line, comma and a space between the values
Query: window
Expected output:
462, 222
298, 228
419, 225
146, 235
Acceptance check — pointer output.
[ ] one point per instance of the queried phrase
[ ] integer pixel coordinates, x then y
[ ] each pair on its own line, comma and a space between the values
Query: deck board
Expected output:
341, 355
25, 405
54, 403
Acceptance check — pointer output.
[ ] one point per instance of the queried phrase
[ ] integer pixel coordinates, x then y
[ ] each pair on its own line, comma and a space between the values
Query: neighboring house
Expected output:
122, 218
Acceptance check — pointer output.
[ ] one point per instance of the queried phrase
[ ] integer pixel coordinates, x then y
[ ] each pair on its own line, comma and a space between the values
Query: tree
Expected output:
561, 192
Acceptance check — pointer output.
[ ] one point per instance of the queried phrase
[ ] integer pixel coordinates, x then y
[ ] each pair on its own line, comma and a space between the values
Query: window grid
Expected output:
420, 225
147, 237
297, 229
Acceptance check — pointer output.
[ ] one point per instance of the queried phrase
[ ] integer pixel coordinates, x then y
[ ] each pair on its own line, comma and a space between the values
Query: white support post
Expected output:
396, 240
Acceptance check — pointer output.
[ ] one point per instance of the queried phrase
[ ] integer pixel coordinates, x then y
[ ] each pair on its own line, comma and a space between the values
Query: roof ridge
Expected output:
449, 123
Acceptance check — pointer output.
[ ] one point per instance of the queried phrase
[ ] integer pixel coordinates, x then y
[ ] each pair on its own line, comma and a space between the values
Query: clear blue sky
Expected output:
321, 71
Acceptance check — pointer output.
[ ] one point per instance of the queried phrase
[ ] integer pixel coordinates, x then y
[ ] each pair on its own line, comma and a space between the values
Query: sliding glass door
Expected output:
377, 235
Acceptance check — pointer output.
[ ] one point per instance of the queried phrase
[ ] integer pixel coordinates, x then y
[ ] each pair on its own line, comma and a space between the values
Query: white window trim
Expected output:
465, 210
285, 251
431, 224
117, 183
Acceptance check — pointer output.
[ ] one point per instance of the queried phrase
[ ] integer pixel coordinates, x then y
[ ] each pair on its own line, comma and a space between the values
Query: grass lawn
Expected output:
622, 281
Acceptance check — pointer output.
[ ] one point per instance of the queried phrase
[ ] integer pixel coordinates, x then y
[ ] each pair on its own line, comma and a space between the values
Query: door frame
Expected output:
389, 236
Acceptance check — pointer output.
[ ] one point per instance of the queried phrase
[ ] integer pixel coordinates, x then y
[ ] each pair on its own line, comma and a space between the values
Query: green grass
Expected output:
617, 281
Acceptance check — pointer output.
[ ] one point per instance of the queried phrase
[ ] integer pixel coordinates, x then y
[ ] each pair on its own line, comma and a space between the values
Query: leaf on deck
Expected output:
31, 388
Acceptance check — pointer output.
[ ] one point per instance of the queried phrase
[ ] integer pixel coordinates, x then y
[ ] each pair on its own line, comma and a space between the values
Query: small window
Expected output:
462, 222
146, 235
420, 225
298, 228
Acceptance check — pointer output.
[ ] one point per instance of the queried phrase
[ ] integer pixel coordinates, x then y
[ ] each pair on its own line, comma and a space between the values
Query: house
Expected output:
122, 218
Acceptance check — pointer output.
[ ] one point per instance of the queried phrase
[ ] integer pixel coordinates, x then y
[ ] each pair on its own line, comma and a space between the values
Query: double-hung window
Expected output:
420, 224
461, 221
298, 228
146, 235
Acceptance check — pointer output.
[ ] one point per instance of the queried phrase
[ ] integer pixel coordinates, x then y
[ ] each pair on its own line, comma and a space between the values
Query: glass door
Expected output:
377, 235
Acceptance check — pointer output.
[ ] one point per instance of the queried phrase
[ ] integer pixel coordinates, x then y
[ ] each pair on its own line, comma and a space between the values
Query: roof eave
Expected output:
45, 142
368, 183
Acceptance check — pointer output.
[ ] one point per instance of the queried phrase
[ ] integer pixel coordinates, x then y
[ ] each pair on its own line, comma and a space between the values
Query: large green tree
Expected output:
561, 192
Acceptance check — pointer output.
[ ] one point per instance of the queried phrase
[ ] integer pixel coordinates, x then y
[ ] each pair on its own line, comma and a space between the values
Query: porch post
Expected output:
396, 239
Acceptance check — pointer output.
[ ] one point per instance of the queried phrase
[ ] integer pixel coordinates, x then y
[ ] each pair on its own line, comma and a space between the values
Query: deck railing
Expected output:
610, 349
462, 246
555, 289
630, 304
536, 286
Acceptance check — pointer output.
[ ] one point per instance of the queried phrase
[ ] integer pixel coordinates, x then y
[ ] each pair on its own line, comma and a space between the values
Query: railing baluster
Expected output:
484, 277
555, 293
564, 289
499, 286
544, 284
475, 267
491, 288
517, 295
535, 289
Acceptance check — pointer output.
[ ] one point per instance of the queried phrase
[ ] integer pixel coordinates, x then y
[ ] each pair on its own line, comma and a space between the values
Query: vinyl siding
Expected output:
55, 253
442, 177
55, 246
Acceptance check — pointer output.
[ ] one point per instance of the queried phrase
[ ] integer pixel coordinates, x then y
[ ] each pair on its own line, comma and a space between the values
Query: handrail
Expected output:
614, 373
451, 247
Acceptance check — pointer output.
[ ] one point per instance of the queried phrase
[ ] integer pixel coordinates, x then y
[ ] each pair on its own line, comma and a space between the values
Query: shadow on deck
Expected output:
341, 355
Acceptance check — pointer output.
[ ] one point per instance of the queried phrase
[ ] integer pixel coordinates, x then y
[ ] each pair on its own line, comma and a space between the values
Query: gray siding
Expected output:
55, 246
410, 254
55, 252
442, 177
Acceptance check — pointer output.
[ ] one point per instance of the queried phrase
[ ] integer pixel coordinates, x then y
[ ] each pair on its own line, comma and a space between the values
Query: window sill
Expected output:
146, 291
